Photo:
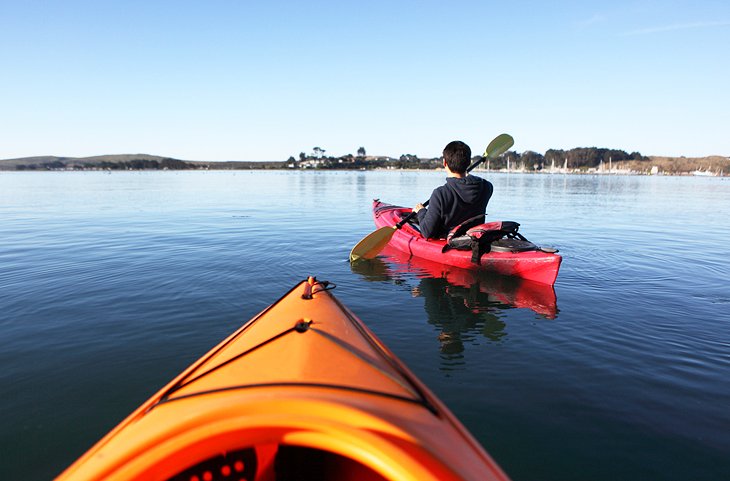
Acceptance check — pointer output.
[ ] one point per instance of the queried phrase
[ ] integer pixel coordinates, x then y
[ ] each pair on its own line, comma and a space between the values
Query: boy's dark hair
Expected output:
457, 156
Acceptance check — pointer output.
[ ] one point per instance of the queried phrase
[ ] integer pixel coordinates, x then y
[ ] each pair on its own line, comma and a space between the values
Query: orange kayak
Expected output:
302, 391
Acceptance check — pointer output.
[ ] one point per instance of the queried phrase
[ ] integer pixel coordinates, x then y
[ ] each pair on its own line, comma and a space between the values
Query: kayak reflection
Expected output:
459, 301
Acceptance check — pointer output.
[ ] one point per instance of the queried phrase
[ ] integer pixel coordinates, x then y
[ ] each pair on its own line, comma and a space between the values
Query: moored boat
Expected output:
534, 264
302, 391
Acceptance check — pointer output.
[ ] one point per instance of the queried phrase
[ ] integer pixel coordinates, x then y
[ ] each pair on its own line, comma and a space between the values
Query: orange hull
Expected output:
304, 390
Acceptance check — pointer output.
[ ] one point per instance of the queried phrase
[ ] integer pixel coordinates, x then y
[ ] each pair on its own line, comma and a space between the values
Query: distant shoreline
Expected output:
476, 171
575, 161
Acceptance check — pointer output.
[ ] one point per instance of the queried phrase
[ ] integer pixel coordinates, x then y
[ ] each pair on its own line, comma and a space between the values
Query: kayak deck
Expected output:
302, 391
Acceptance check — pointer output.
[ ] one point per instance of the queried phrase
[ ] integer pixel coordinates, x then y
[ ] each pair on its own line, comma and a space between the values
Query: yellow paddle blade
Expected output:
499, 146
372, 244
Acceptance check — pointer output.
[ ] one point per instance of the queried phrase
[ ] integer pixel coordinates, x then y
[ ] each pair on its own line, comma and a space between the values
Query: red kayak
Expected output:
534, 265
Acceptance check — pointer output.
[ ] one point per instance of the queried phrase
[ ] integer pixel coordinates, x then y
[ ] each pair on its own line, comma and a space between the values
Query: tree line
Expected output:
580, 157
577, 158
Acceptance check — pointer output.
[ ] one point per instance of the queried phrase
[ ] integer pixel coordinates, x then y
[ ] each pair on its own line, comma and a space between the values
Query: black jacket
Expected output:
453, 203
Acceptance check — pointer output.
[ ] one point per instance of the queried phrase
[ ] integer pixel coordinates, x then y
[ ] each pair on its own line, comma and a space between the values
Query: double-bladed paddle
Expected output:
374, 242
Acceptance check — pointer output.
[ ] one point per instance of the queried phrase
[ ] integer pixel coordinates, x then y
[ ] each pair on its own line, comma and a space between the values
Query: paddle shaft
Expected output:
413, 214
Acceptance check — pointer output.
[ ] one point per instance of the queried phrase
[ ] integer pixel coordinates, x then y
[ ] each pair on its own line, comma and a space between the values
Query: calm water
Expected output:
110, 284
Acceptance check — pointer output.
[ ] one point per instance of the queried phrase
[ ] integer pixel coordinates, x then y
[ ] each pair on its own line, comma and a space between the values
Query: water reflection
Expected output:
460, 313
460, 303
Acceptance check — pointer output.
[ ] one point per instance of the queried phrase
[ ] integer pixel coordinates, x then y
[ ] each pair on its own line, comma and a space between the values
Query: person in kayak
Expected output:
462, 197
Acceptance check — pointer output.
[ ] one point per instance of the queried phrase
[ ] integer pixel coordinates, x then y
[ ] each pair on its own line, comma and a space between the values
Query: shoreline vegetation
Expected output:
583, 160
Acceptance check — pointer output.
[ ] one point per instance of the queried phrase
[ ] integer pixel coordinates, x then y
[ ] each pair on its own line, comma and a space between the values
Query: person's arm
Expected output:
429, 220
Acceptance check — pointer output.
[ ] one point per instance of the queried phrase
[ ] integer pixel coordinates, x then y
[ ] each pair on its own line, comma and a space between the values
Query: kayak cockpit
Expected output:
278, 463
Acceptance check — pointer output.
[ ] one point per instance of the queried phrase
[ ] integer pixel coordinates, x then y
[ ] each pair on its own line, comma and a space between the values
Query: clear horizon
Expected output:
260, 82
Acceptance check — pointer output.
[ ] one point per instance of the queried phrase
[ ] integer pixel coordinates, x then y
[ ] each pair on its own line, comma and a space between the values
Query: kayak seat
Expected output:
296, 463
278, 463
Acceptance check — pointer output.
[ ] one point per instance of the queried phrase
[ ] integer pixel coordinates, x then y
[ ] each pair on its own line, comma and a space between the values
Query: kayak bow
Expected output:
302, 391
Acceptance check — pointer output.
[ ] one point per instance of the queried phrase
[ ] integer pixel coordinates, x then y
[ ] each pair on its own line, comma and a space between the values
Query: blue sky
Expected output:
248, 80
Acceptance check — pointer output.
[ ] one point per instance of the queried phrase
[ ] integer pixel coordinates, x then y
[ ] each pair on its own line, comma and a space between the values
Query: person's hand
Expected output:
418, 207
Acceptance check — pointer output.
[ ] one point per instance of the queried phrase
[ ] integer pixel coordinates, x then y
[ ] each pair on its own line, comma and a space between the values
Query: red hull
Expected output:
536, 266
